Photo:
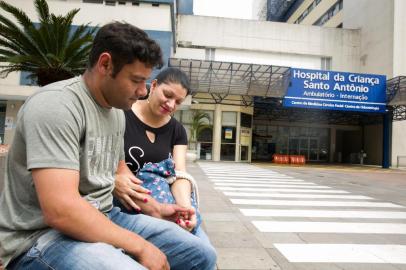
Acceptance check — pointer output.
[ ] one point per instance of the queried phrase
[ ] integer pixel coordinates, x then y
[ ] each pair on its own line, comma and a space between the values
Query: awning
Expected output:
396, 91
396, 97
226, 78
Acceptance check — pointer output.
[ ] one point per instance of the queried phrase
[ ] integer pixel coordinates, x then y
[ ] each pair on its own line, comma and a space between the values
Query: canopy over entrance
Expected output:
226, 78
396, 96
268, 85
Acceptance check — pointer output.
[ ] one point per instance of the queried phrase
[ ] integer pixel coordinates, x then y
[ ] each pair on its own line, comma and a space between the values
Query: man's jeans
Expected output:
56, 251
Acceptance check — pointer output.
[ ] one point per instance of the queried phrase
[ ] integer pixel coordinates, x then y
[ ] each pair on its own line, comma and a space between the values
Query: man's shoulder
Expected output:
54, 101
54, 94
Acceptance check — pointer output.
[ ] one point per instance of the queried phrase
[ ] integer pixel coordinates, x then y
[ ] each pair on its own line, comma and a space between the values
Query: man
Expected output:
56, 209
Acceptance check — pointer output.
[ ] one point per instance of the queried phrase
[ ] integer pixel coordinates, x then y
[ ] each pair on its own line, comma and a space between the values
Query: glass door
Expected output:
228, 136
308, 147
313, 149
304, 147
293, 146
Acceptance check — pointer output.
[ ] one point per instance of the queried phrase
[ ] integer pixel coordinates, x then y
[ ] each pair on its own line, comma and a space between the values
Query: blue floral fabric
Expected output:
154, 177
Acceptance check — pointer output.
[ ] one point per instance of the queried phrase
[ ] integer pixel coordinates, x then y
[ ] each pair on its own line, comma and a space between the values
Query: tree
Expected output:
50, 50
200, 121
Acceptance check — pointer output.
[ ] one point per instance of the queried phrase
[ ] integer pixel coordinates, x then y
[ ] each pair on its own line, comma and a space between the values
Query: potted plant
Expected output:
200, 121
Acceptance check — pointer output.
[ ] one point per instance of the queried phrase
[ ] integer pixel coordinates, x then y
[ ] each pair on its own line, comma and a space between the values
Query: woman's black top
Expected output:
140, 150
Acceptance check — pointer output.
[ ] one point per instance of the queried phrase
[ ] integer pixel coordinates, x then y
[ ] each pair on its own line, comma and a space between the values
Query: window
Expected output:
307, 11
246, 120
93, 1
110, 3
325, 63
330, 13
210, 54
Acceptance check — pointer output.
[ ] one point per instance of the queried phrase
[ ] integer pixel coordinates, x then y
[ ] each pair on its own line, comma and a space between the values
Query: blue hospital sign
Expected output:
329, 90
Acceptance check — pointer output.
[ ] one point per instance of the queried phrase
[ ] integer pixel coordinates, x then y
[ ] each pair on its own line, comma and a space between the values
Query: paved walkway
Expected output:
280, 217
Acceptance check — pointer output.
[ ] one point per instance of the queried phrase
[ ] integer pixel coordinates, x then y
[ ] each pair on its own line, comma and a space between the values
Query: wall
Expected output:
399, 39
269, 58
271, 38
374, 18
99, 14
398, 140
399, 69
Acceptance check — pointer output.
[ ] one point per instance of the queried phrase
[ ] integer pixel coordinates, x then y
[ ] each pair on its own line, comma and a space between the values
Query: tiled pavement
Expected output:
261, 217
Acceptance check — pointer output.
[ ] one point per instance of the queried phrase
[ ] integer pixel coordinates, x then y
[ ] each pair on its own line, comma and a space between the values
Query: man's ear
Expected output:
105, 64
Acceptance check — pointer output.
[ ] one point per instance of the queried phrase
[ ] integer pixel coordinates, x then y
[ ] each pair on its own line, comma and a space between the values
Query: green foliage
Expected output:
200, 121
50, 50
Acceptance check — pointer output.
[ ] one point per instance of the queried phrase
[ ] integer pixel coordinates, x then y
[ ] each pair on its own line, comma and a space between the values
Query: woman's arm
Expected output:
131, 194
182, 188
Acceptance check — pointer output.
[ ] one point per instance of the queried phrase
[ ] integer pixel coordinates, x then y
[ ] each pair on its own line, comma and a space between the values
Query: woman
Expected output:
152, 135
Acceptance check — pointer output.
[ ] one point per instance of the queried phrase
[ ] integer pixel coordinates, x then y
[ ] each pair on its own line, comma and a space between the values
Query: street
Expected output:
264, 216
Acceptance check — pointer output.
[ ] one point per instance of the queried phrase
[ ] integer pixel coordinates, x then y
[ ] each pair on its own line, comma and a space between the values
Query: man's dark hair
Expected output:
174, 75
125, 43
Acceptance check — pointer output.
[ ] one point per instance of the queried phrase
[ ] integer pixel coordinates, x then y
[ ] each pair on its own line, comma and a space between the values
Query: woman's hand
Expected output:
128, 189
188, 220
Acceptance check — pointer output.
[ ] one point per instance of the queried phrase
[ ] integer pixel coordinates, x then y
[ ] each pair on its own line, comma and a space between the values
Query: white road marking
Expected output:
329, 227
316, 203
298, 196
270, 181
343, 253
267, 185
256, 178
323, 213
279, 190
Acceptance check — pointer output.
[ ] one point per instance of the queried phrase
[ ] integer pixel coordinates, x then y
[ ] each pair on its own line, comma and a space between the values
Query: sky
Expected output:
241, 9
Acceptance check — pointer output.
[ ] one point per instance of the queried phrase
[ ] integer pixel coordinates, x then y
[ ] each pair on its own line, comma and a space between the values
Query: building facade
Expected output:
239, 71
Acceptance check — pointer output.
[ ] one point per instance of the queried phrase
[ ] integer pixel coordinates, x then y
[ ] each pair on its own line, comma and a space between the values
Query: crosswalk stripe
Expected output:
329, 227
268, 185
307, 196
323, 213
229, 180
279, 190
257, 178
343, 253
250, 175
315, 203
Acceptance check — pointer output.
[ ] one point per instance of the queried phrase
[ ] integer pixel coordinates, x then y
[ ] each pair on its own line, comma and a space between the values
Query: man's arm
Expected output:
66, 211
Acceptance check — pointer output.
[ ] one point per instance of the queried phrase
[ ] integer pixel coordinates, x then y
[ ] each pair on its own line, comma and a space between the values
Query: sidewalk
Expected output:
233, 236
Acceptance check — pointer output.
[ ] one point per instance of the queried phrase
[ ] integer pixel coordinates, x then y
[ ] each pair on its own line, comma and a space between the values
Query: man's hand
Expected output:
128, 189
152, 258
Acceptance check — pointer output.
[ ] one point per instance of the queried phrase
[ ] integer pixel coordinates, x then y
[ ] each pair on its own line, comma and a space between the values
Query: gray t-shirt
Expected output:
60, 126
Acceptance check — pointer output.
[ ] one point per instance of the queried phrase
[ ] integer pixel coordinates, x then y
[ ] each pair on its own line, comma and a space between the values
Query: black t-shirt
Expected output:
140, 150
